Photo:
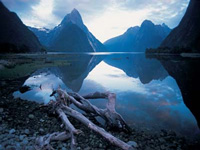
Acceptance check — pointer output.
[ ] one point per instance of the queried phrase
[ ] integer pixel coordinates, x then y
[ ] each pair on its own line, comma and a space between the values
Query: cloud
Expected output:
42, 14
104, 18
20, 6
87, 8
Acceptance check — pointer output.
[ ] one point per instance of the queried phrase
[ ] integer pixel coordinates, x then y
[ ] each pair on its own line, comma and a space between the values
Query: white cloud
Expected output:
41, 15
104, 18
114, 22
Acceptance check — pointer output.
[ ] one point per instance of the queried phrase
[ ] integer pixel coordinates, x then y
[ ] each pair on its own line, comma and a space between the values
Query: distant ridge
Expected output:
137, 39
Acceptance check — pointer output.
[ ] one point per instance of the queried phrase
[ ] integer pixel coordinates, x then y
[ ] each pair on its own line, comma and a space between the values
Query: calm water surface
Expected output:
148, 95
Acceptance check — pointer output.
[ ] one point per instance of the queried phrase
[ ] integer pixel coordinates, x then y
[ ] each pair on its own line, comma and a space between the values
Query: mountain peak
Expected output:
164, 25
73, 17
133, 29
75, 11
147, 23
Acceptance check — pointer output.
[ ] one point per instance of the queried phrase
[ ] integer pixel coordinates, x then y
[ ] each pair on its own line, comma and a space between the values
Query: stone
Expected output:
10, 147
162, 140
132, 143
30, 148
162, 147
63, 148
41, 130
12, 131
26, 131
1, 110
25, 142
41, 120
21, 137
100, 145
1, 147
31, 116
87, 148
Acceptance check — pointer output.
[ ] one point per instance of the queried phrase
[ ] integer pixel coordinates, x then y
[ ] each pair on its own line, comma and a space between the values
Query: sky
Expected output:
104, 18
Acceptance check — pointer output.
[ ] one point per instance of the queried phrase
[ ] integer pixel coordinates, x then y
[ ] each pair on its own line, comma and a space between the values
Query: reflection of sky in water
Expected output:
114, 79
156, 104
40, 94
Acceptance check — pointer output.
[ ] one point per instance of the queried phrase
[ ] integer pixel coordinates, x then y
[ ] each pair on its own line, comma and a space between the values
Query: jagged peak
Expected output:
165, 26
133, 29
147, 23
75, 11
73, 17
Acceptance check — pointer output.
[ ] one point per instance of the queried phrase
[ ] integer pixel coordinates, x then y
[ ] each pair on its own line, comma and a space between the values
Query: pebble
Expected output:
162, 140
41, 120
12, 131
132, 143
9, 147
21, 137
31, 116
1, 110
100, 145
25, 141
1, 147
63, 148
41, 130
26, 131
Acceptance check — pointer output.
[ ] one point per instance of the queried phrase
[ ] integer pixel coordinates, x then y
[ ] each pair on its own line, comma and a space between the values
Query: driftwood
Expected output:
62, 107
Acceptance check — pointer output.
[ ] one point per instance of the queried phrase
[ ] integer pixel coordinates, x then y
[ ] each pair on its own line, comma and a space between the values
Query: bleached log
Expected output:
43, 142
113, 140
112, 118
62, 107
69, 127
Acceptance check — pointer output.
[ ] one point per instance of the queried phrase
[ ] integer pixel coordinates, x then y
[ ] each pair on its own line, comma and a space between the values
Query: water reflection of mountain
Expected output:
138, 66
74, 74
186, 73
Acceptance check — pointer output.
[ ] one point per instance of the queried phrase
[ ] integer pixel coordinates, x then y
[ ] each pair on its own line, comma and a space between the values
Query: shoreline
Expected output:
22, 121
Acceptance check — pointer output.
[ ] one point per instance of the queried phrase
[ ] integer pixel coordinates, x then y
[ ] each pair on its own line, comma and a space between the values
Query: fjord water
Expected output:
148, 95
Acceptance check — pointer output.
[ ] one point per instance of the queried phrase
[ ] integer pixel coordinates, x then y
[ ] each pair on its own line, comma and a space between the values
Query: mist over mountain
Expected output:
71, 35
15, 37
137, 39
187, 34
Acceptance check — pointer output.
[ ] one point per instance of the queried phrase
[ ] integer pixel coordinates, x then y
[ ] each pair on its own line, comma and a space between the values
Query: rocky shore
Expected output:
22, 121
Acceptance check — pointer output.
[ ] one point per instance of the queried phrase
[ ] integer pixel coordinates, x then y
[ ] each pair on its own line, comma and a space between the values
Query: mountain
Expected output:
186, 74
137, 66
70, 35
41, 33
137, 39
187, 34
14, 35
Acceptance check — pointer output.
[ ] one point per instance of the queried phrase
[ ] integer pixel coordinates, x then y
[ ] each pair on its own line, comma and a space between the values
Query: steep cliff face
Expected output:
71, 35
186, 74
14, 35
137, 39
71, 39
187, 34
